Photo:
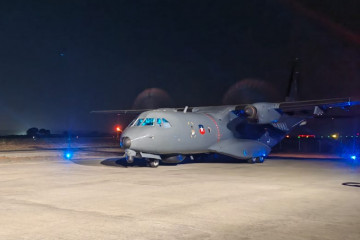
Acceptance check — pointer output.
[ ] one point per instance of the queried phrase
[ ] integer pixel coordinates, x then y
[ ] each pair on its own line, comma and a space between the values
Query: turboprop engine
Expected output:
263, 113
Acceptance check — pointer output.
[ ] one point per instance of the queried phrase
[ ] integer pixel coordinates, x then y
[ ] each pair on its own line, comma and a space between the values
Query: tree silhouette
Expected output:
32, 132
44, 132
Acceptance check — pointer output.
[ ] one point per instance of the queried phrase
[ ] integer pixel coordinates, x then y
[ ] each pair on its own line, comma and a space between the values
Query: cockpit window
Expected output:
158, 121
138, 123
161, 122
166, 124
148, 122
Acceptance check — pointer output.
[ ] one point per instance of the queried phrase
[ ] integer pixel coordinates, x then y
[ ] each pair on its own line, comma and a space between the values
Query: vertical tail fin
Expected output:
292, 91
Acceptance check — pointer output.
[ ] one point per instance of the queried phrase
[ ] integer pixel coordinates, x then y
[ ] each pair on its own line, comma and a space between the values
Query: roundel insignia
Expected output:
201, 129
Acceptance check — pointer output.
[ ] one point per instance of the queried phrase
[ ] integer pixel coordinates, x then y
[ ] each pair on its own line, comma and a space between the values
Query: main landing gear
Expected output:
154, 163
256, 160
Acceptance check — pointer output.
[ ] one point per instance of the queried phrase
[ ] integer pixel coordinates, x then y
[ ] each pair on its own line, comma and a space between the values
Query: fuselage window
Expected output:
158, 121
139, 121
148, 122
166, 123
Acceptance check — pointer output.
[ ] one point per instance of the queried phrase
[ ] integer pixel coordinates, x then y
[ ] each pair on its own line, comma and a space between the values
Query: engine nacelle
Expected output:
263, 113
173, 159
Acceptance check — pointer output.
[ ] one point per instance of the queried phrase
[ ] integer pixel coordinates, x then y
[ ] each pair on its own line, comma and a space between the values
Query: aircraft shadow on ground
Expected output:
351, 184
121, 162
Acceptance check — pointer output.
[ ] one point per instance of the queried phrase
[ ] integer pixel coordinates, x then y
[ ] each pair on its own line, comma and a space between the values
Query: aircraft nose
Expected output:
125, 142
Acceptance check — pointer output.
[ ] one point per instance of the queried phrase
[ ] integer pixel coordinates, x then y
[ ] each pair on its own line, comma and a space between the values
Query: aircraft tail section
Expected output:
292, 91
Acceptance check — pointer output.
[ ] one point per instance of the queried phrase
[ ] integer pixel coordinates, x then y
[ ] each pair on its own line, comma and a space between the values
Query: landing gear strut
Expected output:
129, 159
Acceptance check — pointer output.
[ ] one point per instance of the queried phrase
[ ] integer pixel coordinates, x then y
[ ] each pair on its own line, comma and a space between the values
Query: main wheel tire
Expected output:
154, 163
260, 159
252, 160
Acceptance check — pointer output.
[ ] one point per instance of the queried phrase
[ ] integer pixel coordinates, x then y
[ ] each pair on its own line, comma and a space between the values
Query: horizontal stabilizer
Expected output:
311, 104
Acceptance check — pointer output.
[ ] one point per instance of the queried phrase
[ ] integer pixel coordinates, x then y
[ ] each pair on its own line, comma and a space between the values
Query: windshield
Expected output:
139, 121
161, 122
148, 122
158, 122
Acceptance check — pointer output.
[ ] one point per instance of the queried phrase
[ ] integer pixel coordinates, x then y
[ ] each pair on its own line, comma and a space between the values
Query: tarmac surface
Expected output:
96, 195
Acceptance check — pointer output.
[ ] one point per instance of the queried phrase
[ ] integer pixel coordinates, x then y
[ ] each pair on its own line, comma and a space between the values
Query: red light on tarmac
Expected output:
287, 136
118, 128
306, 136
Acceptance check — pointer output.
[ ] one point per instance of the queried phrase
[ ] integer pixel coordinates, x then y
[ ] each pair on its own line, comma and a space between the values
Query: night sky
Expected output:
61, 59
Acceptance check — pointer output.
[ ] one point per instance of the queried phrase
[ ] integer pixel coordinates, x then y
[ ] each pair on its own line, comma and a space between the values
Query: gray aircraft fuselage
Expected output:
182, 136
245, 131
186, 133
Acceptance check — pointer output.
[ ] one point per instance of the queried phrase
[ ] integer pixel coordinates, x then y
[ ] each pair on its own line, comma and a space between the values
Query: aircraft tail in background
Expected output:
292, 92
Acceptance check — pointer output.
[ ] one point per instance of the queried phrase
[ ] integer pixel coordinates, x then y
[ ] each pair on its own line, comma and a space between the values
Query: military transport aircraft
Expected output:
245, 131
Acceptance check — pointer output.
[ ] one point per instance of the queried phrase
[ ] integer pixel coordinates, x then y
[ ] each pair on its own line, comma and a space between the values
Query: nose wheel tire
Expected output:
154, 163
256, 160
260, 159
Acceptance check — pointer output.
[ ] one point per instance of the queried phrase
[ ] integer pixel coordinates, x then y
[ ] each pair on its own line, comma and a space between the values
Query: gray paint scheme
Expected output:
228, 130
245, 131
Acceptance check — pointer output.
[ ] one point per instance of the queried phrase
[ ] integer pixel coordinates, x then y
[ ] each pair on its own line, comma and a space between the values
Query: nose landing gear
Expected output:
256, 160
129, 159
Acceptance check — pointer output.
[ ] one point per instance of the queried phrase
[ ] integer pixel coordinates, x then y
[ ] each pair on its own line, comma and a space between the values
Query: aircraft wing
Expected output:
121, 112
137, 111
316, 107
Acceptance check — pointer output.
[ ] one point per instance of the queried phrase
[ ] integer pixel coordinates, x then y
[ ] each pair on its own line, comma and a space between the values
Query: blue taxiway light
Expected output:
68, 155
353, 157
